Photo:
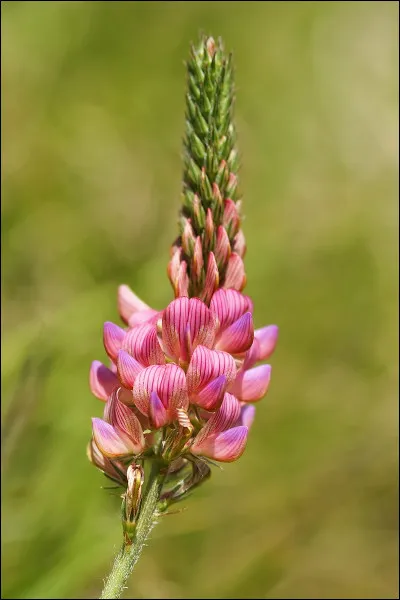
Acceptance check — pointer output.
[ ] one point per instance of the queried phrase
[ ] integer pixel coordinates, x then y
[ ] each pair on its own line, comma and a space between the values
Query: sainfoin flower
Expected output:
180, 383
187, 372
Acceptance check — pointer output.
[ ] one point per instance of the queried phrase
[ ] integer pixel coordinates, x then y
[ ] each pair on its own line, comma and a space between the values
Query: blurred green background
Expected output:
92, 116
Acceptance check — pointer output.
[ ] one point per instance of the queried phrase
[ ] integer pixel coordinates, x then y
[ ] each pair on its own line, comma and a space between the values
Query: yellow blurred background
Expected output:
92, 120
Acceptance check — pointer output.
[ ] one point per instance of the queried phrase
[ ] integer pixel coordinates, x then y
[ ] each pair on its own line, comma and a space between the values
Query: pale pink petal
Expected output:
129, 303
235, 277
252, 385
239, 244
173, 267
142, 343
238, 337
262, 347
229, 305
210, 397
143, 316
128, 368
247, 415
102, 380
267, 338
157, 413
225, 446
112, 442
113, 337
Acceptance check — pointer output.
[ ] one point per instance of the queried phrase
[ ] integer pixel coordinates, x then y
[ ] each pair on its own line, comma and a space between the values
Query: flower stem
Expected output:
128, 556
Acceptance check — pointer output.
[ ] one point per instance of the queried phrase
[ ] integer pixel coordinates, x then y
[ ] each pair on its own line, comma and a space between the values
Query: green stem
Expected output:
128, 556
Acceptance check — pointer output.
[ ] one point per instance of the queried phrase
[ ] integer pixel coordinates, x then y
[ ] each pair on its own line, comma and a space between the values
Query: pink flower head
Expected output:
167, 363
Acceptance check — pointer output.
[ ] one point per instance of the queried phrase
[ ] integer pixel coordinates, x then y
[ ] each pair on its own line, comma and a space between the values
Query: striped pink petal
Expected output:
186, 318
168, 381
102, 380
113, 337
225, 417
235, 277
129, 303
211, 396
229, 305
252, 385
207, 365
225, 446
157, 413
142, 343
111, 441
128, 368
182, 284
121, 416
238, 337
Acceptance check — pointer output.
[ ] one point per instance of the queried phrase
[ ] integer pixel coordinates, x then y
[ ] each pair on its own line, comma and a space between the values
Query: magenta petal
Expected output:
158, 414
111, 442
113, 337
229, 305
129, 303
102, 380
252, 385
128, 368
210, 397
238, 337
142, 343
226, 446
247, 415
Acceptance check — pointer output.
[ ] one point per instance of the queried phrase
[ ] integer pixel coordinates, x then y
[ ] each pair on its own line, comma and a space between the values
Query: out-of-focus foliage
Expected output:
92, 118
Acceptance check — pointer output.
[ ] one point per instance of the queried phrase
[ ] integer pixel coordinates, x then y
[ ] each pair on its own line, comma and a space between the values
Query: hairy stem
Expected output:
128, 556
